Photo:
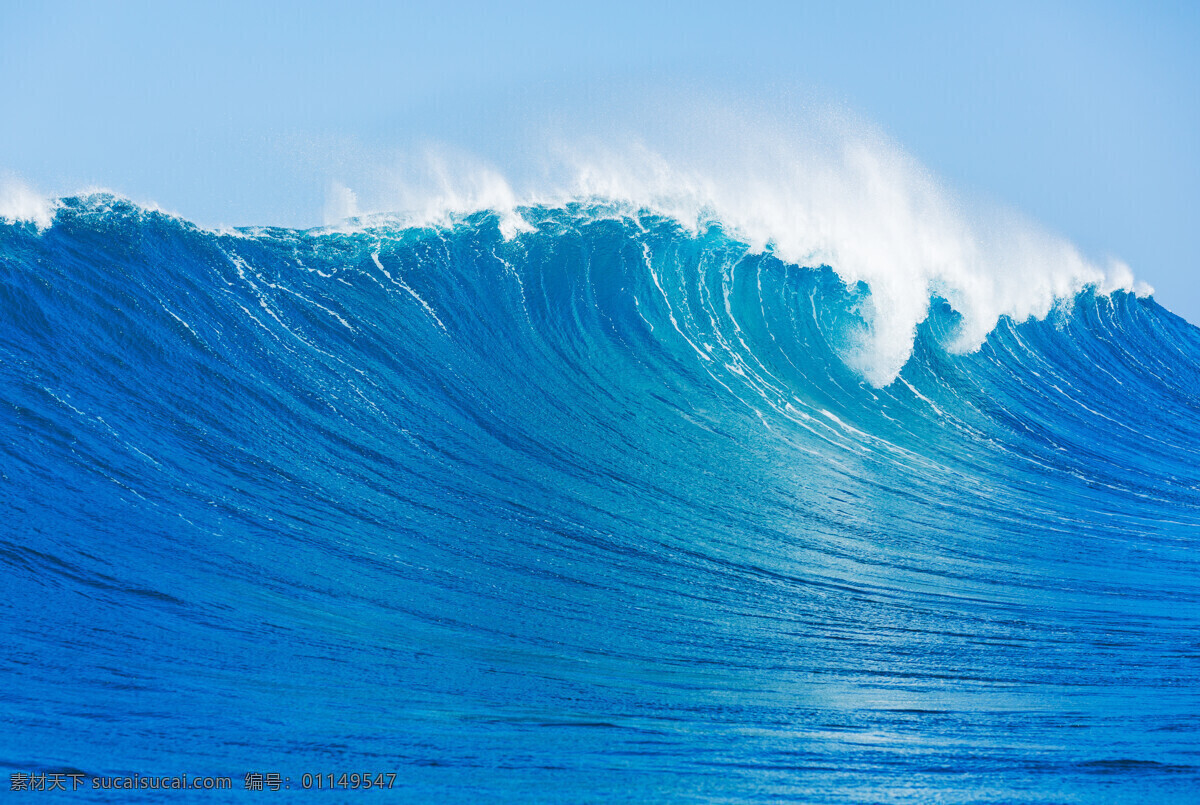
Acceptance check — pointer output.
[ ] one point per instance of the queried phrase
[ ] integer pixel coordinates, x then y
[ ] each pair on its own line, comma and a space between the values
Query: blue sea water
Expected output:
598, 512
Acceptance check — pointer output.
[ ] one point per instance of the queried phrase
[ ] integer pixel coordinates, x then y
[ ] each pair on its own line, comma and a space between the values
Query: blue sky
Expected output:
1084, 116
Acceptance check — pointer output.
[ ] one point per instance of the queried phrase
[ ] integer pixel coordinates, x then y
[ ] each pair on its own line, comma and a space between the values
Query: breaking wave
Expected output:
687, 495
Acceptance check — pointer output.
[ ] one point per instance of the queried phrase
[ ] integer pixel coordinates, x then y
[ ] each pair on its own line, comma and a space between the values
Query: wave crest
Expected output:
835, 194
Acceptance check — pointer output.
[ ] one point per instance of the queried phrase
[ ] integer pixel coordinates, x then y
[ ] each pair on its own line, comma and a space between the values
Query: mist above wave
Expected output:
21, 204
827, 190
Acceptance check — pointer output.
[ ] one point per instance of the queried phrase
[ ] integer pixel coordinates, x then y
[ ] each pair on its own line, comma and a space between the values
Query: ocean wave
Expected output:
605, 497
834, 193
937, 263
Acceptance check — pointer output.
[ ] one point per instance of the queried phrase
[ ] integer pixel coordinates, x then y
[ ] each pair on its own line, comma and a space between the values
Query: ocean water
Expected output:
607, 508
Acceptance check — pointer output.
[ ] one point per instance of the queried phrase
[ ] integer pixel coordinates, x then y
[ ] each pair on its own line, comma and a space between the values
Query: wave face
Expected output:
601, 510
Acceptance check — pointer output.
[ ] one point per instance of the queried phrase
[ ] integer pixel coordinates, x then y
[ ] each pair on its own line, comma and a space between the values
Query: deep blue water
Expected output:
596, 513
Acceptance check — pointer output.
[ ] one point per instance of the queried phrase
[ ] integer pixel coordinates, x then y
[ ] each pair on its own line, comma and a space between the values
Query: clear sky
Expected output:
1085, 116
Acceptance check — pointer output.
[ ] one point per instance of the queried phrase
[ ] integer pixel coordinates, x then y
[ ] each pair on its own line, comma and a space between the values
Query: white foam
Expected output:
19, 203
832, 192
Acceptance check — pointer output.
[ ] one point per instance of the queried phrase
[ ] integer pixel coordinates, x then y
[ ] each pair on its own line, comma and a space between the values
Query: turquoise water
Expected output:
597, 512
